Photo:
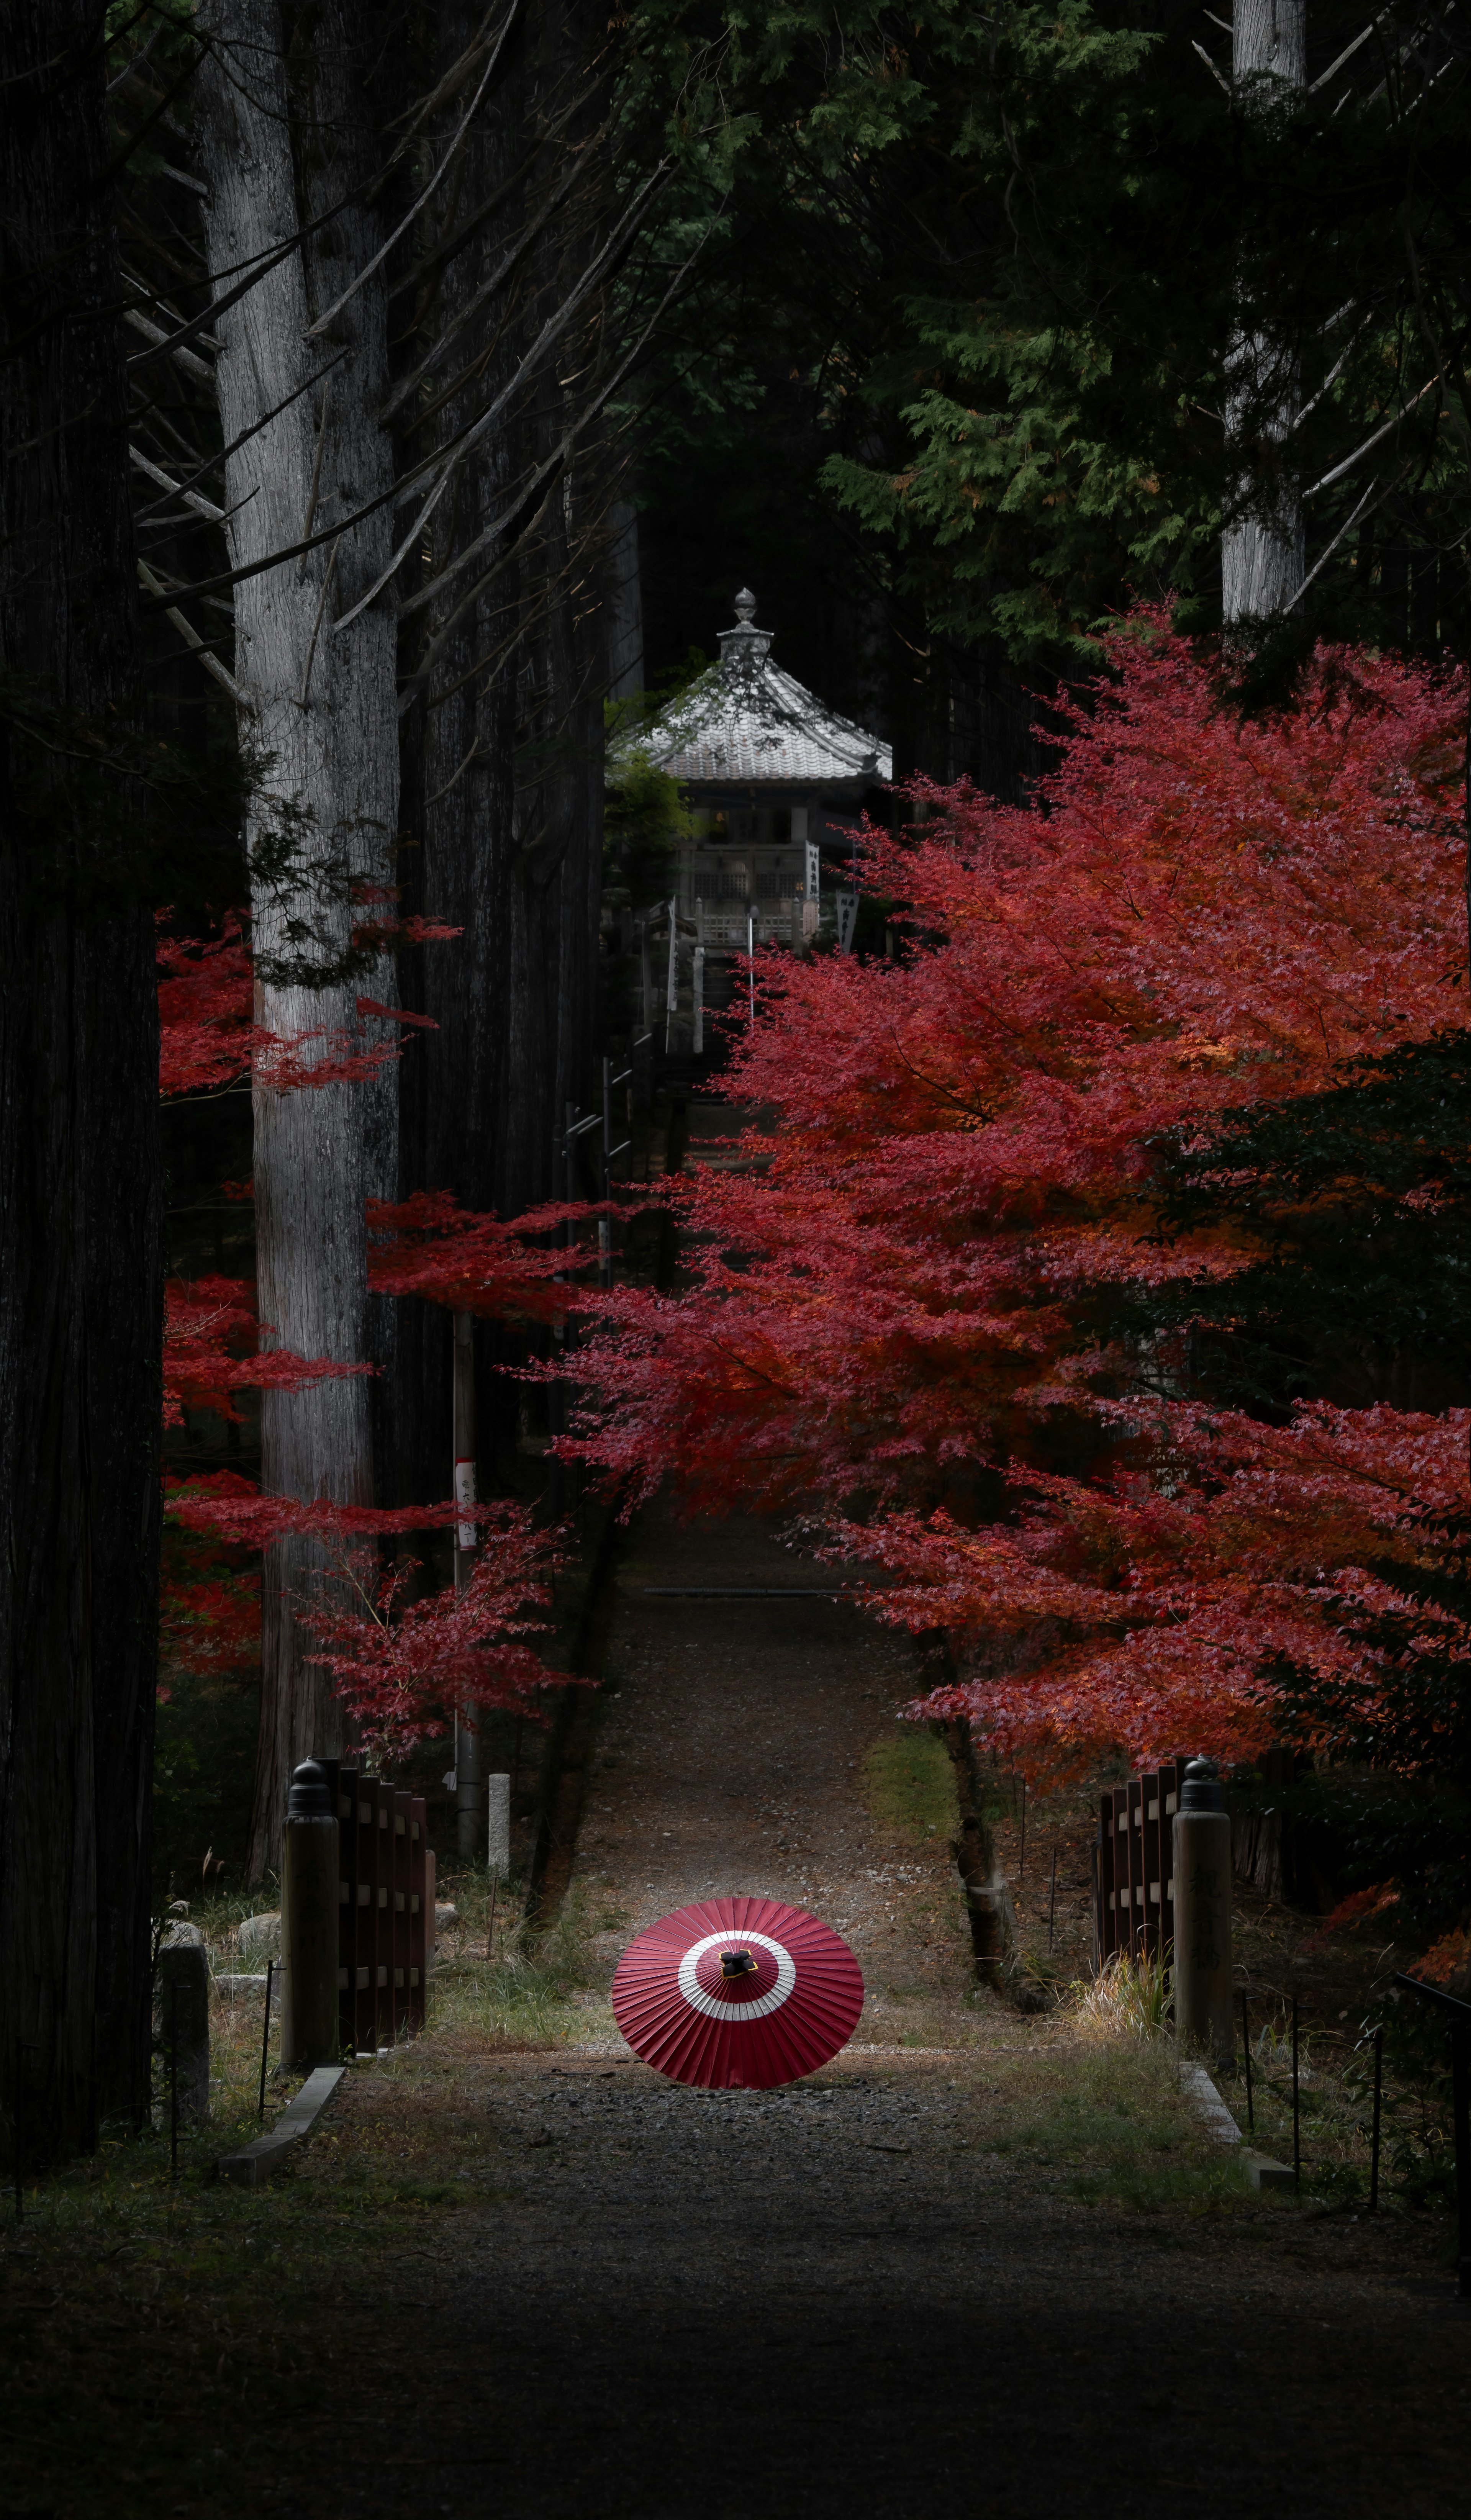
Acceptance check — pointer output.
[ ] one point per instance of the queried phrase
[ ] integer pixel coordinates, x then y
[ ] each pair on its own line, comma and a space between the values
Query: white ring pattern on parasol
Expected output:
721, 2008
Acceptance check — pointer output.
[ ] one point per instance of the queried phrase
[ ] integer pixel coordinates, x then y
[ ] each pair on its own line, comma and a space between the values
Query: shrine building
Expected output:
773, 779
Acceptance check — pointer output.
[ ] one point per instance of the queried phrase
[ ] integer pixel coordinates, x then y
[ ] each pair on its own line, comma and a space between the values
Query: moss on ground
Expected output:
908, 1786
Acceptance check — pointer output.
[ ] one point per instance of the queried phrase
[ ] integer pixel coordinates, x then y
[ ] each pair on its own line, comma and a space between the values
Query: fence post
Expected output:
1461, 2110
1202, 1848
309, 1892
497, 1847
467, 1721
265, 2039
1250, 2115
173, 2080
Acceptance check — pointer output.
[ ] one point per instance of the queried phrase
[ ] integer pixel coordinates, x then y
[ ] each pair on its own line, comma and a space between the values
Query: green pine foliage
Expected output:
996, 259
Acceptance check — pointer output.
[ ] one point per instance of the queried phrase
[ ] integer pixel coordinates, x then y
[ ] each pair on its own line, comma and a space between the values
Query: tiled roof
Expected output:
746, 720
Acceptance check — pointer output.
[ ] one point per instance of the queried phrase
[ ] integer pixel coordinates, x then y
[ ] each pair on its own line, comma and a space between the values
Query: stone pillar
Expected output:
1202, 1843
498, 1829
181, 2011
310, 2035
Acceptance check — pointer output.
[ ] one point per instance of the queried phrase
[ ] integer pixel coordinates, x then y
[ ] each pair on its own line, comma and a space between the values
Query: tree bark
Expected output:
286, 139
81, 1282
625, 604
507, 759
1262, 547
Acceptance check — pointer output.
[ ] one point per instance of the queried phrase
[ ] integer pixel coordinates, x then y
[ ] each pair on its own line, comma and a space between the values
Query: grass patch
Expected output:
522, 1998
1107, 2122
908, 1786
144, 2323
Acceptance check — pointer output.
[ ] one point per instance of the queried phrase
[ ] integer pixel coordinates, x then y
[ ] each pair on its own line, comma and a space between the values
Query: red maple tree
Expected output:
886, 1324
402, 1660
208, 1038
429, 1246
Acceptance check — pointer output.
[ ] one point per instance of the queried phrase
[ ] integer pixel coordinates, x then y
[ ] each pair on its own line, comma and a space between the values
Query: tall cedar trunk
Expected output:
508, 773
625, 604
1262, 549
284, 139
80, 1288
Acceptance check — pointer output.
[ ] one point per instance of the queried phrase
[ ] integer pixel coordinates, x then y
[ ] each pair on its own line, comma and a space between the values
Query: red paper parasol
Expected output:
737, 1994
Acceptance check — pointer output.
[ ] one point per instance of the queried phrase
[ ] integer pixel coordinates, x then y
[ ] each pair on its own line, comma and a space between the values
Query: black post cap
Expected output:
1201, 1789
309, 1797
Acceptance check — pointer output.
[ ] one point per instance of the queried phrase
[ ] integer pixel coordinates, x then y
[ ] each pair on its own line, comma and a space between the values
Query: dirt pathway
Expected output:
970, 2263
737, 1738
975, 2263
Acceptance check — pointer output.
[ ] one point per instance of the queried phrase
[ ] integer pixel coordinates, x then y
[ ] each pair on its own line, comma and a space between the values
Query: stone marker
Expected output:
498, 1831
1202, 1843
181, 2008
310, 2033
259, 1937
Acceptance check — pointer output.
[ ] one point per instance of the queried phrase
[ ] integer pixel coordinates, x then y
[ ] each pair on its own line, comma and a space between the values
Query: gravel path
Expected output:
837, 2300
852, 2296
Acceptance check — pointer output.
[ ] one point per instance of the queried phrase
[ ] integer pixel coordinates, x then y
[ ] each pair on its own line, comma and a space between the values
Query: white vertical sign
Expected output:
464, 1494
847, 920
814, 870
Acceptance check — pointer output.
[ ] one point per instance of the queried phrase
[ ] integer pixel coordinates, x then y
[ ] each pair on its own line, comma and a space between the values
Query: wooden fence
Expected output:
1134, 1870
385, 1909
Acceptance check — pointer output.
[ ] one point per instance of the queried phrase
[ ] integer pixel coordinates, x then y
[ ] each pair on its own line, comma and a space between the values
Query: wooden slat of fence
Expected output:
1133, 1901
399, 1908
1137, 1884
1108, 1887
1121, 1868
418, 1950
384, 1912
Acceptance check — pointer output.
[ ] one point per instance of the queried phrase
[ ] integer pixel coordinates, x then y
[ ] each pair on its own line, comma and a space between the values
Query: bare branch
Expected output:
187, 631
1349, 461
201, 507
432, 186
1348, 52
1221, 82
1325, 557
458, 238
537, 489
191, 365
232, 576
486, 291
470, 436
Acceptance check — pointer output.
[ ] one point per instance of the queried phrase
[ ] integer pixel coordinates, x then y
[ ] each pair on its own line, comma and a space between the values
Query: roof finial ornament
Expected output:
745, 606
